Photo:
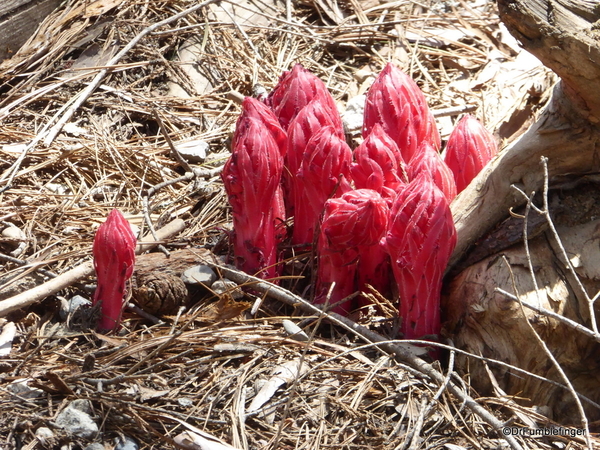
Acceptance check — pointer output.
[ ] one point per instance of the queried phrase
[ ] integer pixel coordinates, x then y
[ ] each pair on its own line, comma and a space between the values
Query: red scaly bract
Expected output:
324, 173
379, 165
312, 118
251, 178
428, 161
470, 147
352, 228
420, 239
295, 89
114, 258
398, 105
254, 109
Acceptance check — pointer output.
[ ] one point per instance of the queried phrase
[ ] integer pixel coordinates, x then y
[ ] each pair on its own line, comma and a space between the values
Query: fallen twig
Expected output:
47, 134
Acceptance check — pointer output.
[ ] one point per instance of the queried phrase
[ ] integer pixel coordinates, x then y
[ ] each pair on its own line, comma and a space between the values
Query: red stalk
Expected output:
324, 173
114, 258
428, 161
295, 89
251, 178
352, 228
312, 118
420, 239
379, 165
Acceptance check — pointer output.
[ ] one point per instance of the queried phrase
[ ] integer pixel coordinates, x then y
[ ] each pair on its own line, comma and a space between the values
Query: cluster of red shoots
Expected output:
381, 209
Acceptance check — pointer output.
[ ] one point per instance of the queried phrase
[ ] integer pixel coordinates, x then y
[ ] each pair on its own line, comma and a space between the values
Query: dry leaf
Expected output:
285, 373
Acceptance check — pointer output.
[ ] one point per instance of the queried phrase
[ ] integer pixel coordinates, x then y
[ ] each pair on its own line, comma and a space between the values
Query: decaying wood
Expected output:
564, 36
18, 20
487, 323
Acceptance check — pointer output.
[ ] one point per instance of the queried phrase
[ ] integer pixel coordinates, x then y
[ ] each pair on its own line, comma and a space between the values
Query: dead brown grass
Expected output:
204, 367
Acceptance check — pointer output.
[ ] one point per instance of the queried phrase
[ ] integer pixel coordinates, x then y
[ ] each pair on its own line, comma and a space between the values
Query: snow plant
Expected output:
420, 240
311, 119
470, 147
323, 173
380, 210
379, 164
348, 248
251, 177
114, 258
396, 103
428, 161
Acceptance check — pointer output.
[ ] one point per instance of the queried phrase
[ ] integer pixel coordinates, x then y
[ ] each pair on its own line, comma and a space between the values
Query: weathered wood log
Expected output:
18, 21
567, 132
565, 36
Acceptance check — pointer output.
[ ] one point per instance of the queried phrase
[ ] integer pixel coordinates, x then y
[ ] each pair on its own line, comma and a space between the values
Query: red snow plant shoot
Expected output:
323, 173
114, 257
351, 225
396, 103
251, 178
429, 161
378, 164
420, 239
295, 89
470, 147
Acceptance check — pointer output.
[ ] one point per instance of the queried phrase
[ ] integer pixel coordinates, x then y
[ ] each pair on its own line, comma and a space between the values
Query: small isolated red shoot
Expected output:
114, 258
396, 103
420, 239
470, 147
428, 161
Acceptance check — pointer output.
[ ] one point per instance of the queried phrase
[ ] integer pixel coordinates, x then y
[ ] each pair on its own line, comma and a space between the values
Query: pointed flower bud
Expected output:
324, 173
398, 105
312, 118
378, 164
296, 88
114, 258
420, 239
254, 109
251, 178
470, 147
428, 161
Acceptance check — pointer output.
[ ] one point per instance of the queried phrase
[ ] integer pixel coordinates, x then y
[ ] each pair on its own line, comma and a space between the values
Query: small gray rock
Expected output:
193, 151
22, 390
126, 443
76, 419
231, 287
45, 436
185, 402
294, 331
72, 305
96, 446
353, 116
199, 274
